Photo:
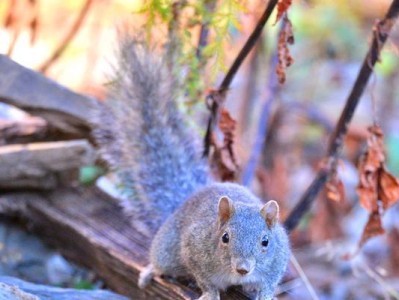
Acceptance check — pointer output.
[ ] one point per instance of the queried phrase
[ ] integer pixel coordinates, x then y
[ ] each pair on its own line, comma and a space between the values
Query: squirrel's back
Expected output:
144, 138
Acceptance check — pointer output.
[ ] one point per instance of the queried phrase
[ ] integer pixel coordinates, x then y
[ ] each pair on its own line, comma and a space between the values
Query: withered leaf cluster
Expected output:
335, 190
282, 7
224, 158
378, 189
286, 36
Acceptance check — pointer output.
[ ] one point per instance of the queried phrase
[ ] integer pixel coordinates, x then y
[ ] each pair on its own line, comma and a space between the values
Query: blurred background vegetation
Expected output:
331, 40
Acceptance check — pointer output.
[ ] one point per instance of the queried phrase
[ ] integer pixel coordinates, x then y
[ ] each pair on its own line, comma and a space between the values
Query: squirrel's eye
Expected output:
225, 238
265, 242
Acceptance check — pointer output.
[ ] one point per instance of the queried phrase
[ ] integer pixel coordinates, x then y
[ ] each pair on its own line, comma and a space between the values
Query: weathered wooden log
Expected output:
22, 131
17, 289
36, 165
64, 110
89, 228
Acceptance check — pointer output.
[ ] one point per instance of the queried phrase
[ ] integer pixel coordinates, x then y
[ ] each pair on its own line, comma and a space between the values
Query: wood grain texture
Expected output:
64, 110
36, 165
88, 227
24, 130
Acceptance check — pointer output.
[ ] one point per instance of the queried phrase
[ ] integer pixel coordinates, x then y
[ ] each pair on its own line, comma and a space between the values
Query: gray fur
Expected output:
189, 243
145, 139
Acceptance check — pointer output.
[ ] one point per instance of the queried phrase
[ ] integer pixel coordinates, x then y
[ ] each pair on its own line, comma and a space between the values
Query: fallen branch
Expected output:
25, 130
35, 165
65, 111
336, 141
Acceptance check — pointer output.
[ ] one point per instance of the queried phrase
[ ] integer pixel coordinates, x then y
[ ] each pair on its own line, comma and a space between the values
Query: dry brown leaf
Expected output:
370, 164
378, 189
375, 153
367, 198
285, 59
367, 189
224, 168
389, 186
227, 126
335, 189
282, 7
372, 228
224, 158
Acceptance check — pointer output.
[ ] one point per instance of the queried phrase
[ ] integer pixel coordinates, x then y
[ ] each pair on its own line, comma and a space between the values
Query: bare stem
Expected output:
68, 38
250, 43
381, 33
204, 31
217, 97
272, 87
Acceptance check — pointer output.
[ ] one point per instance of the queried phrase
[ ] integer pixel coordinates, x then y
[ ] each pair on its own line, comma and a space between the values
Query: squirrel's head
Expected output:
247, 235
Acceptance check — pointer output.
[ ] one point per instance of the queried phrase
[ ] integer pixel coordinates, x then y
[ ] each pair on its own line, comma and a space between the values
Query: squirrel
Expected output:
220, 234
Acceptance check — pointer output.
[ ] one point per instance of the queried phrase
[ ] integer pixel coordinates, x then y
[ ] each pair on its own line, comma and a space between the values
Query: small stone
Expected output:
59, 271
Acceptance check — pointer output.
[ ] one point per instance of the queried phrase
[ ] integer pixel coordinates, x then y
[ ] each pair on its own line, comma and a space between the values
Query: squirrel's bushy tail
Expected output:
146, 141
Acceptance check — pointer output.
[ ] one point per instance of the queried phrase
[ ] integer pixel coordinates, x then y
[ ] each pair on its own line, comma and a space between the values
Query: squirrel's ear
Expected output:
226, 209
270, 212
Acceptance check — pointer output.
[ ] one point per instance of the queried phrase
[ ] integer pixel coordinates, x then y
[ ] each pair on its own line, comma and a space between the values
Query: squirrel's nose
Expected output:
242, 271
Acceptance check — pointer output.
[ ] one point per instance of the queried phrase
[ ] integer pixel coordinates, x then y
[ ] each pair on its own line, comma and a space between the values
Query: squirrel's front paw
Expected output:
146, 276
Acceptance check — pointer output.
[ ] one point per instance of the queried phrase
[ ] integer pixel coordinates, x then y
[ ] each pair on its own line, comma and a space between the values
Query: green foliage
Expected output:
392, 144
388, 63
83, 285
89, 174
328, 30
223, 21
180, 22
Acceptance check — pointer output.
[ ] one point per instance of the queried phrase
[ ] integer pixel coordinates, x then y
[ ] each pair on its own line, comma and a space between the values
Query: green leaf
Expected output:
89, 174
84, 285
388, 63
392, 144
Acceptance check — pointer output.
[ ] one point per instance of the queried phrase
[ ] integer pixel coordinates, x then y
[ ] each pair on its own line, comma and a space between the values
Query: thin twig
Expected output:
304, 278
216, 98
251, 84
337, 138
34, 22
272, 87
204, 31
288, 286
19, 15
388, 289
306, 201
173, 44
67, 39
13, 42
250, 43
